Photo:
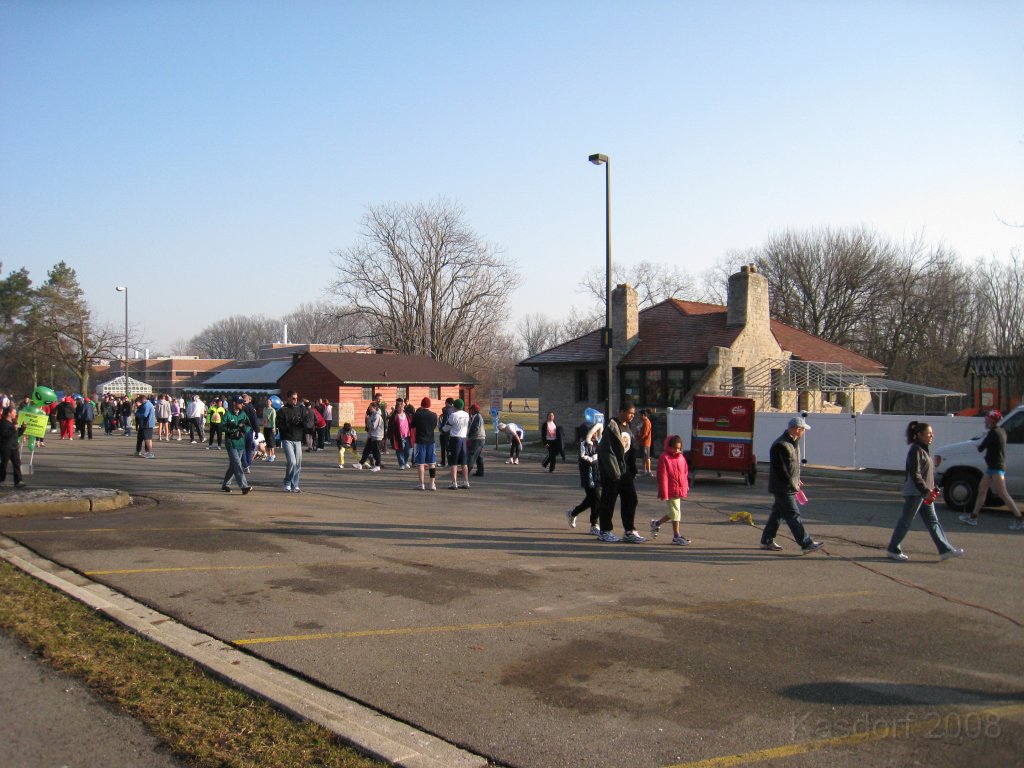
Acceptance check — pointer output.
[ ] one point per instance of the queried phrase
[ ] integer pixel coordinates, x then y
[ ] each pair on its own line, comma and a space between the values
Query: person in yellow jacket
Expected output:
215, 417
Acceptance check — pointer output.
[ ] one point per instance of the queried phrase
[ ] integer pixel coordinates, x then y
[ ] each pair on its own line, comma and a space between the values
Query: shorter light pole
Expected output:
124, 368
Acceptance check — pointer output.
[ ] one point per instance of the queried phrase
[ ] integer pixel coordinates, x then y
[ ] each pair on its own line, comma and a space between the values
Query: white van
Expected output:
960, 466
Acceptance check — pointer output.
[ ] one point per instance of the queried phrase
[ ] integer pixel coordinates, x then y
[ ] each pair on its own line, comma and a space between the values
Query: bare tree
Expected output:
536, 333
235, 338
653, 282
1002, 286
827, 280
425, 283
322, 322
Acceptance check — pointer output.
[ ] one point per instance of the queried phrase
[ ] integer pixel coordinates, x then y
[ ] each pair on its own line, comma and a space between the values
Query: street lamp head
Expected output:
120, 288
598, 159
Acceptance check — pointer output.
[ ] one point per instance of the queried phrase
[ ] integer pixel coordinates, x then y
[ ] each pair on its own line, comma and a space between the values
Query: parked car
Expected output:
959, 466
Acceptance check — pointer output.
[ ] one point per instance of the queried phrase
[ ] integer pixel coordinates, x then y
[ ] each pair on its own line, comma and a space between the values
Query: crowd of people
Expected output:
609, 455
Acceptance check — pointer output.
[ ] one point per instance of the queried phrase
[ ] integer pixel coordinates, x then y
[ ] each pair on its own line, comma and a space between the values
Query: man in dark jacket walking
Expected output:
291, 421
616, 479
784, 484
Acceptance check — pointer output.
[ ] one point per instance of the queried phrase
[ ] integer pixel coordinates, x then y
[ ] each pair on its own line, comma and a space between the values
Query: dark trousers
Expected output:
591, 501
372, 448
13, 456
443, 439
612, 489
549, 460
84, 428
476, 454
195, 428
785, 508
216, 430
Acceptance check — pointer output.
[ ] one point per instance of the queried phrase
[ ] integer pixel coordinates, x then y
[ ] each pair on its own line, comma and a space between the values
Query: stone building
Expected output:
666, 354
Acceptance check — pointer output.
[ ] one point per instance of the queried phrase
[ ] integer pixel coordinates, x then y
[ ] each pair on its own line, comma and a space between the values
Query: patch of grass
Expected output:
196, 715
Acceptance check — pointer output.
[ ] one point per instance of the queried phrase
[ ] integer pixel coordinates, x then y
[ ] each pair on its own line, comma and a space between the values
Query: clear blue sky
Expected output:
212, 155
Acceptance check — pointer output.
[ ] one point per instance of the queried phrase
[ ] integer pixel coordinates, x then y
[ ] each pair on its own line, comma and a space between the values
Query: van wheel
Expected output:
960, 490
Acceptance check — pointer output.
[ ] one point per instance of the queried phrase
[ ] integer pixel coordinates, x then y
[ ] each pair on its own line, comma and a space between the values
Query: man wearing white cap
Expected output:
784, 483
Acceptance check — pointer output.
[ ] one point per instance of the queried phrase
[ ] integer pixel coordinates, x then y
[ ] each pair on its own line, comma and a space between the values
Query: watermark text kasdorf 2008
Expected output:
927, 725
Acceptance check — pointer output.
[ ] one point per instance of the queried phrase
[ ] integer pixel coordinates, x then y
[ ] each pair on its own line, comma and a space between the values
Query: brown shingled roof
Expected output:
357, 368
678, 332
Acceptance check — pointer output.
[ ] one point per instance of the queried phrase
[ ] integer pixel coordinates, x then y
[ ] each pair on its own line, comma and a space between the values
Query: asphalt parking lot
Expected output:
480, 617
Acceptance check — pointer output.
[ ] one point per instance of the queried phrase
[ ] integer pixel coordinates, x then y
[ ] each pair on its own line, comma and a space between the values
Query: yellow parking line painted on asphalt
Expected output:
897, 730
611, 616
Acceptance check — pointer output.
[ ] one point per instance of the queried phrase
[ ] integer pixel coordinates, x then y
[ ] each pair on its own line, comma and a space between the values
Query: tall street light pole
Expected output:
606, 333
124, 288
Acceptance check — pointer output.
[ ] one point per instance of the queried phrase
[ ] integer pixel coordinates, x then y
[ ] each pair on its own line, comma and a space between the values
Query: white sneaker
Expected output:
340, 466
509, 461
1017, 525
654, 529
375, 469
357, 465
966, 519
607, 536
515, 461
954, 552
632, 537
899, 557
571, 518
595, 531
681, 541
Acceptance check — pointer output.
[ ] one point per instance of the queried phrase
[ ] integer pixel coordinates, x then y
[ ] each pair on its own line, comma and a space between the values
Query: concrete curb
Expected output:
57, 501
367, 730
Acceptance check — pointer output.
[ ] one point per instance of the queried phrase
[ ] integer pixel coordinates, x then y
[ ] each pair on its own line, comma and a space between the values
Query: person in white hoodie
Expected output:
195, 413
457, 429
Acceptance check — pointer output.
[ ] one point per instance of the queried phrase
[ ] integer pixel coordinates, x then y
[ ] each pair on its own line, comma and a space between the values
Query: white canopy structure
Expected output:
116, 387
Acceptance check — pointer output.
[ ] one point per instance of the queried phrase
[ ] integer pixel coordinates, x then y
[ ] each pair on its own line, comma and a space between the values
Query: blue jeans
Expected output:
235, 466
403, 453
785, 508
911, 505
292, 455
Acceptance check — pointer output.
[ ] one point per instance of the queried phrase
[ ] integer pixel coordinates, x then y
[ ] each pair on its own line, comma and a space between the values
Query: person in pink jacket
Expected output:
673, 487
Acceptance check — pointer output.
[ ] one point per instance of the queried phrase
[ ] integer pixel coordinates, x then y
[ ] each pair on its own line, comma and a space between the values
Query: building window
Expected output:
738, 387
402, 392
367, 393
631, 386
677, 384
582, 386
652, 387
435, 393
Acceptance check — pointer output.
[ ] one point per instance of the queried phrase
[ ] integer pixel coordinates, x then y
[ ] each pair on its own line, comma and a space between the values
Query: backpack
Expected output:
319, 419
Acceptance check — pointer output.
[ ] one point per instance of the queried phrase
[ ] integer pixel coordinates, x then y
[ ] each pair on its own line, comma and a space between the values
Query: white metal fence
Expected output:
865, 441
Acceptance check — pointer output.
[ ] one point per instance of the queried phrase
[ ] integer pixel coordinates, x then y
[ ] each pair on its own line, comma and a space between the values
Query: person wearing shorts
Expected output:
673, 487
424, 423
993, 445
458, 452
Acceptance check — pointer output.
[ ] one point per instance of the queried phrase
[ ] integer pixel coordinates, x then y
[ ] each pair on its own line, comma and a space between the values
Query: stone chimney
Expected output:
748, 300
625, 320
625, 332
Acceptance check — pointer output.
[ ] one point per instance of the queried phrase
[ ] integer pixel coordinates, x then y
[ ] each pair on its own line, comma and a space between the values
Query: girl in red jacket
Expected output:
673, 487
